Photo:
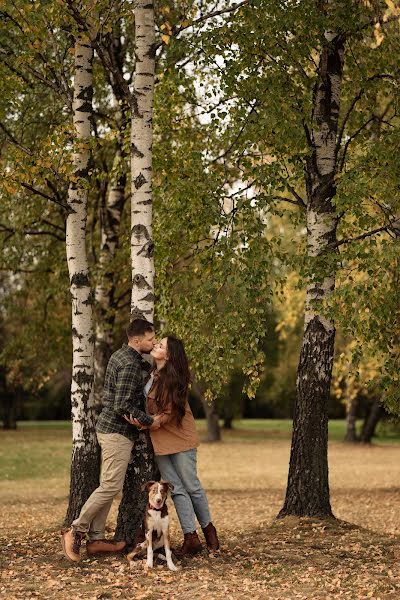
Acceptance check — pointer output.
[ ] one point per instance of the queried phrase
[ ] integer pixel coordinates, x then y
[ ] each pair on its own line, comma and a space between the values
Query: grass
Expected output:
245, 479
42, 448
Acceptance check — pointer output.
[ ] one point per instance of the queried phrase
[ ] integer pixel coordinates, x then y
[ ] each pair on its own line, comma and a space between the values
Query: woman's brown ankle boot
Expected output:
191, 545
210, 533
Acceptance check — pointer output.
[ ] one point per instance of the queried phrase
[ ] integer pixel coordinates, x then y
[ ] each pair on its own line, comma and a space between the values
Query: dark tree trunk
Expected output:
351, 419
134, 500
213, 428
102, 354
228, 411
9, 411
8, 402
228, 420
85, 470
371, 421
211, 412
307, 492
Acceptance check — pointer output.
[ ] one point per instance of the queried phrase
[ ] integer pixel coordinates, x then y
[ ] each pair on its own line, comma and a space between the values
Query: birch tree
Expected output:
111, 213
85, 451
308, 489
142, 467
285, 81
142, 245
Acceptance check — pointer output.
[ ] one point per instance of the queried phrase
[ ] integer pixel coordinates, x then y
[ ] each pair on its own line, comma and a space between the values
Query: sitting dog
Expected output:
156, 524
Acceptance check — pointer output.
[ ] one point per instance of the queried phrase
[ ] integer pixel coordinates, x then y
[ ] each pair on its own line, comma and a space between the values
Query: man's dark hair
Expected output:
138, 327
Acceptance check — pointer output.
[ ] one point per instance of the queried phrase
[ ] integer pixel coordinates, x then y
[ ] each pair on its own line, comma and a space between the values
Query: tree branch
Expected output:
285, 199
351, 138
12, 139
13, 231
9, 270
203, 18
50, 233
356, 98
362, 237
43, 195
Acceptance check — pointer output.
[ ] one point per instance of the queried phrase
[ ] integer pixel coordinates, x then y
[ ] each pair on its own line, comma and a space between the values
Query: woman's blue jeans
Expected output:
188, 495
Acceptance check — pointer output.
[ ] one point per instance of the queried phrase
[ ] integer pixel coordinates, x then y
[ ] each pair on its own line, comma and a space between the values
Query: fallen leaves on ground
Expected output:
261, 557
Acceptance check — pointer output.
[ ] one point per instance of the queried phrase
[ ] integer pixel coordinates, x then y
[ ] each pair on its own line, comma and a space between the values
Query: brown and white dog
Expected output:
156, 525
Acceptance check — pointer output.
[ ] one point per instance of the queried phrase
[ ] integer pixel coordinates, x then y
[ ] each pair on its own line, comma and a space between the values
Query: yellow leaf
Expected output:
166, 38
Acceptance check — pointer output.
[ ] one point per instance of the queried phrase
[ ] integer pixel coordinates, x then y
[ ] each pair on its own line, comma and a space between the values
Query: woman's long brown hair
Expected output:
174, 379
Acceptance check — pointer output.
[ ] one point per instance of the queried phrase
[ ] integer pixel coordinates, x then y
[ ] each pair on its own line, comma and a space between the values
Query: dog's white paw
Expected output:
172, 567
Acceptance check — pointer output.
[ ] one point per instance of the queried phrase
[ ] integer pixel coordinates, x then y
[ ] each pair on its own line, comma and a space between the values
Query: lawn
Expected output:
356, 556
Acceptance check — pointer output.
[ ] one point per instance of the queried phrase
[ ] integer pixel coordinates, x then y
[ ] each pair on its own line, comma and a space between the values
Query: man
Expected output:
122, 396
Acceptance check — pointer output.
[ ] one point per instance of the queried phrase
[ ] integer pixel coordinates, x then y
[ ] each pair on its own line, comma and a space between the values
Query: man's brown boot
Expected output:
71, 544
210, 533
191, 545
104, 547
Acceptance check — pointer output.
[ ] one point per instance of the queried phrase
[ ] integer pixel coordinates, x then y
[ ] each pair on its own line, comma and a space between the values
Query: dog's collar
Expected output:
154, 508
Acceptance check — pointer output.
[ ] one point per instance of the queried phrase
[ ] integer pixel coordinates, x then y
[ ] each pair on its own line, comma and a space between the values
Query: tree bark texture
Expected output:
110, 219
142, 301
213, 428
351, 420
134, 500
85, 464
371, 421
211, 412
307, 491
142, 246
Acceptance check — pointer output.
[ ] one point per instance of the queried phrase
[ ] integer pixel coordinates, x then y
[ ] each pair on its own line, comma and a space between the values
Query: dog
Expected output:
156, 525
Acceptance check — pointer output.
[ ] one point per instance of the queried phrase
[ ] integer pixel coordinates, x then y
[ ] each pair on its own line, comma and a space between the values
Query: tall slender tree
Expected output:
142, 467
111, 215
286, 83
142, 246
308, 488
85, 450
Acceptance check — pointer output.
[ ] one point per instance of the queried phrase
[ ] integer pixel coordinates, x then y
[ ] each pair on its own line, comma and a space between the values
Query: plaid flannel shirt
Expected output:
123, 393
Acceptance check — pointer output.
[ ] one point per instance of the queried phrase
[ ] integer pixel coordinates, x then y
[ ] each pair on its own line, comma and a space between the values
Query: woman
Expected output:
175, 442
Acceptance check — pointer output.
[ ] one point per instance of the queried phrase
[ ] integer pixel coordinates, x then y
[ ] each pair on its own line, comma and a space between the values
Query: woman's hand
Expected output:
156, 423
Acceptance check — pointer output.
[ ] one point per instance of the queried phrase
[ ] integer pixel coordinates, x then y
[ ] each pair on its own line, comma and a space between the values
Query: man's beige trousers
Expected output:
115, 455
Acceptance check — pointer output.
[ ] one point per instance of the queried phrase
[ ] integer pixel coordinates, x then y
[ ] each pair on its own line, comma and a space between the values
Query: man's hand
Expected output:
135, 422
155, 425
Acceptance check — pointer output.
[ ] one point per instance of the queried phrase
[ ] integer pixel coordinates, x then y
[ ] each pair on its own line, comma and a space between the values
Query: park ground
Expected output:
356, 556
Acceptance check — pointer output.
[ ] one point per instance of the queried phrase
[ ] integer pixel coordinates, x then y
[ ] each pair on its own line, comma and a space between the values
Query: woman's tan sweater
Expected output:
171, 438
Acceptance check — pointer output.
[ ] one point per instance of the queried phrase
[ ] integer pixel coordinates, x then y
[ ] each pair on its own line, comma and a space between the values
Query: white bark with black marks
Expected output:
142, 245
110, 220
307, 491
143, 466
84, 475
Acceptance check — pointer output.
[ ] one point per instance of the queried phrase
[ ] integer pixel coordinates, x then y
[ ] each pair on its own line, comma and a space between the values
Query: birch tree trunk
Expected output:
142, 245
143, 465
110, 219
307, 491
85, 464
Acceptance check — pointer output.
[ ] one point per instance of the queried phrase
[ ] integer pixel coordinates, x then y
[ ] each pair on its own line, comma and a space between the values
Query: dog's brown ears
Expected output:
169, 485
147, 485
